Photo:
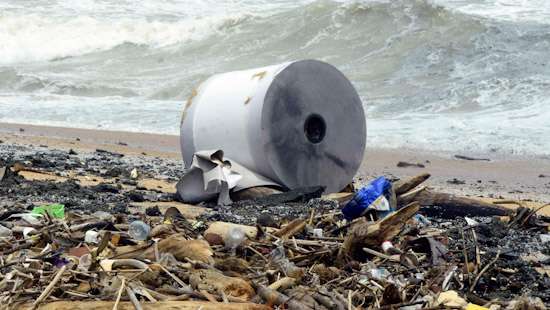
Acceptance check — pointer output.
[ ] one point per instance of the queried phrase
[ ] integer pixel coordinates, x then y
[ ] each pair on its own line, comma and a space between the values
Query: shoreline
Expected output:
510, 178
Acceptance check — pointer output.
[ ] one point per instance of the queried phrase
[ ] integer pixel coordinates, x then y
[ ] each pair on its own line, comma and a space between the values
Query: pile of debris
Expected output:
111, 240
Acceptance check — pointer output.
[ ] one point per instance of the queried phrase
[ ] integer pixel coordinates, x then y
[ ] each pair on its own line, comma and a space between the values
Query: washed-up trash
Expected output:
317, 232
281, 122
450, 299
91, 236
279, 259
367, 198
28, 232
471, 222
134, 174
139, 230
211, 176
475, 307
293, 250
422, 220
234, 238
388, 248
54, 210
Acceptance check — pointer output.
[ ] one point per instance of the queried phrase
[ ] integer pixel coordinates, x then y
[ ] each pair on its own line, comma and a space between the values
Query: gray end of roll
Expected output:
313, 126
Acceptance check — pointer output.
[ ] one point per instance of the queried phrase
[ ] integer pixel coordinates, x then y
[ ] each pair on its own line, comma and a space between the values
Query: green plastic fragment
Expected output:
55, 210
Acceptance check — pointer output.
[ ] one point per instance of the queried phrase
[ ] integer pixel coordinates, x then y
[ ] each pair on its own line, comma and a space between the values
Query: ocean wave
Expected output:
427, 73
14, 82
33, 37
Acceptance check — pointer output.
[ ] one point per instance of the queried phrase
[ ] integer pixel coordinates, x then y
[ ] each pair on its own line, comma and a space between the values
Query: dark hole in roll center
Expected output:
315, 128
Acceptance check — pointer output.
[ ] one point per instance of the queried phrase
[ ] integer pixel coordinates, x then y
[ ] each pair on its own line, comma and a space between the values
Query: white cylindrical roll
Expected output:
299, 123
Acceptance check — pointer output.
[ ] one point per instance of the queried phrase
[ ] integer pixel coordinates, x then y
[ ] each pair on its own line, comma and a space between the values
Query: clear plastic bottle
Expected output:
234, 239
279, 259
139, 230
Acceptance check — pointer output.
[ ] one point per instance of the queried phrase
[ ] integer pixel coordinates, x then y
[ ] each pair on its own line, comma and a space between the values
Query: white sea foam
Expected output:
31, 37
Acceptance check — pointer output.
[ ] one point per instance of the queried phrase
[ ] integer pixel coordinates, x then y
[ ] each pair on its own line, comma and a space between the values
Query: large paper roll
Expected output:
299, 123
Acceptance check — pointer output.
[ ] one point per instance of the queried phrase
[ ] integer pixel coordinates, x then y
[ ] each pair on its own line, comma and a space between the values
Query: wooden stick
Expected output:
453, 206
133, 298
381, 255
403, 186
483, 271
115, 306
465, 253
47, 291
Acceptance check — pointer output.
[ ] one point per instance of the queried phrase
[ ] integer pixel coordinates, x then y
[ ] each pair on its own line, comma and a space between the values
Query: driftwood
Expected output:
449, 205
291, 229
365, 233
442, 204
402, 186
176, 245
275, 298
213, 282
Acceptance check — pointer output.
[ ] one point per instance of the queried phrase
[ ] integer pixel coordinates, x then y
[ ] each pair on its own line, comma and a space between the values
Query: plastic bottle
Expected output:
234, 238
84, 262
139, 230
104, 216
279, 259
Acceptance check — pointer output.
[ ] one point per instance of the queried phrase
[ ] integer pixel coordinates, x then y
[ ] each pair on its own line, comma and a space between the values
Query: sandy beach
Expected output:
523, 178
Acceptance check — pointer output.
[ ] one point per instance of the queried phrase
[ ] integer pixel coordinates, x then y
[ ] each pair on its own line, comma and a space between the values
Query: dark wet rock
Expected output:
135, 196
456, 181
115, 172
153, 211
106, 188
265, 219
108, 153
404, 164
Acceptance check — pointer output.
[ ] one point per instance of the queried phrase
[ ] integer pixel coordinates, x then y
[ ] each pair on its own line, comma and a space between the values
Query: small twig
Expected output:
534, 212
178, 280
465, 253
115, 306
380, 255
257, 253
483, 271
47, 291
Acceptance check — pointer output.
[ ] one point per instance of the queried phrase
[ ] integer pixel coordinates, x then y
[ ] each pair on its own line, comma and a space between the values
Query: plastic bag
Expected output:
369, 197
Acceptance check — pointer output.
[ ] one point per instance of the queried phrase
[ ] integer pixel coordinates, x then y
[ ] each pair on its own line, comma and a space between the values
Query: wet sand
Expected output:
511, 177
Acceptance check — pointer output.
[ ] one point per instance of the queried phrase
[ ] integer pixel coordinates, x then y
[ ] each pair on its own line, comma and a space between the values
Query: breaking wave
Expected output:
420, 66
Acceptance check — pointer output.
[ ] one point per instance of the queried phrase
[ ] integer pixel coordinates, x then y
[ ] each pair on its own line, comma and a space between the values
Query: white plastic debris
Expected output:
471, 222
318, 233
92, 237
134, 174
28, 231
